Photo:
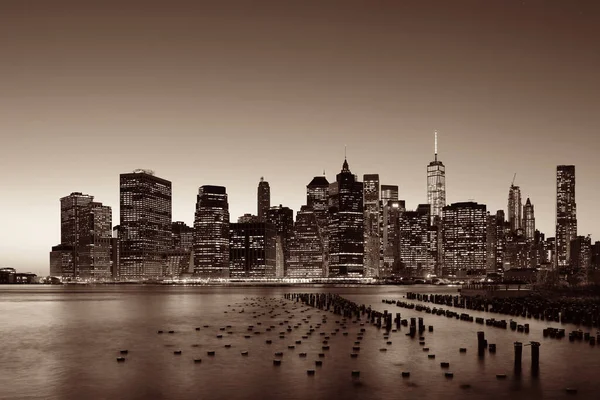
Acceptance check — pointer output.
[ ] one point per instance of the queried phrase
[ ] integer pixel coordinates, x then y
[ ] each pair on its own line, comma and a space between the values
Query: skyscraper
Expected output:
306, 247
252, 251
436, 186
317, 199
388, 192
282, 218
464, 238
414, 239
86, 231
263, 199
372, 225
581, 255
392, 211
529, 221
345, 225
145, 227
515, 208
566, 213
211, 233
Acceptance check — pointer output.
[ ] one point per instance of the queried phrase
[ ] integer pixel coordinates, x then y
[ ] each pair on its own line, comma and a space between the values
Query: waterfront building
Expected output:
62, 261
283, 220
372, 225
464, 227
436, 186
317, 199
392, 211
306, 247
263, 199
566, 214
345, 225
145, 224
183, 236
414, 239
252, 250
211, 233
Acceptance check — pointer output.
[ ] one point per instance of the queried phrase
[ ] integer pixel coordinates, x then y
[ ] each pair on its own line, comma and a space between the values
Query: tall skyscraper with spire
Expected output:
345, 225
436, 185
529, 221
515, 208
566, 213
263, 199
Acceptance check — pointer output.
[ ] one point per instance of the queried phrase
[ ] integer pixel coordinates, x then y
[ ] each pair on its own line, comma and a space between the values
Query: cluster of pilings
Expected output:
585, 312
579, 335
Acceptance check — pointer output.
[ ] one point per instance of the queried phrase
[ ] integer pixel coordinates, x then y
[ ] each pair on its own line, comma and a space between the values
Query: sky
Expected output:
225, 92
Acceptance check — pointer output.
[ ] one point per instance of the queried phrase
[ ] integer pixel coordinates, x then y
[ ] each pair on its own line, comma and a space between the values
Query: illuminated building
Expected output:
317, 199
247, 219
183, 236
252, 248
392, 211
414, 239
436, 186
389, 192
464, 236
263, 199
306, 248
581, 254
179, 260
345, 225
283, 220
85, 233
529, 221
211, 233
145, 226
515, 208
566, 213
517, 251
372, 225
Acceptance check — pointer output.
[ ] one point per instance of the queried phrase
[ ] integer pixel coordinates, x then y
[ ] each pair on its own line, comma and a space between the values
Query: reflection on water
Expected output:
62, 343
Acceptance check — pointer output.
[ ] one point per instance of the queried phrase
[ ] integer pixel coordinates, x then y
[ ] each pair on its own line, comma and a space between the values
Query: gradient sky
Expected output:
225, 92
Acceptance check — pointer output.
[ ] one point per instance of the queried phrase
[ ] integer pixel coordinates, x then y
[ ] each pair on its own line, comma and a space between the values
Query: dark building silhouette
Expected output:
283, 220
392, 212
9, 276
179, 261
62, 261
252, 248
183, 236
145, 226
345, 225
263, 199
566, 214
465, 228
247, 219
581, 255
529, 221
372, 225
211, 233
306, 247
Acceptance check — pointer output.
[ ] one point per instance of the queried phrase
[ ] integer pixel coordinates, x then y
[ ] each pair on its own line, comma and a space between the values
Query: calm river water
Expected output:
62, 343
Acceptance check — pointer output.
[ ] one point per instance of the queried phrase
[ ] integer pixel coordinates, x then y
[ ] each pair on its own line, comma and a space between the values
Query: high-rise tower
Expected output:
211, 233
372, 223
515, 208
345, 226
145, 225
436, 186
529, 221
263, 199
566, 213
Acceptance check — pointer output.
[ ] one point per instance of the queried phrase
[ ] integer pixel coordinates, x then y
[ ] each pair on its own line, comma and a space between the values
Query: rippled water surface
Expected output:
62, 343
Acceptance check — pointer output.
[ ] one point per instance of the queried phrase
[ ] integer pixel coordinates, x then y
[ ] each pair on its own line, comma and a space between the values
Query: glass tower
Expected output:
566, 213
436, 186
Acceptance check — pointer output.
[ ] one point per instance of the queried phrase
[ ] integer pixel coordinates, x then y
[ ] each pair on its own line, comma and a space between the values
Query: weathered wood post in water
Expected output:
535, 358
481, 343
518, 355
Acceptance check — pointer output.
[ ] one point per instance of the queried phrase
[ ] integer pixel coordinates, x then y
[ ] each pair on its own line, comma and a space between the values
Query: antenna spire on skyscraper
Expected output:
435, 145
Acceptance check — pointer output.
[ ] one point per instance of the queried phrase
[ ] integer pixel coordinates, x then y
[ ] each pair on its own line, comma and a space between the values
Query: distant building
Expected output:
345, 225
392, 211
372, 225
414, 239
317, 199
183, 236
283, 220
145, 226
306, 248
529, 221
211, 233
10, 276
517, 251
464, 238
179, 260
595, 264
581, 254
248, 219
566, 213
389, 193
515, 208
436, 186
62, 261
263, 199
252, 250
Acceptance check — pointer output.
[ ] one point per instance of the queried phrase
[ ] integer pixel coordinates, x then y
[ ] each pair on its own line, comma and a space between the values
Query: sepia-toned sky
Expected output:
224, 92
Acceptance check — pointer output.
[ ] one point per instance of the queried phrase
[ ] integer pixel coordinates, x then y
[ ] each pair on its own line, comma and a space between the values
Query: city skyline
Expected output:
270, 97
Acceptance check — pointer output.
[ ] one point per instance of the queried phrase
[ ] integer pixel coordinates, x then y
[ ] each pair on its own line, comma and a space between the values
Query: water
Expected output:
62, 343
